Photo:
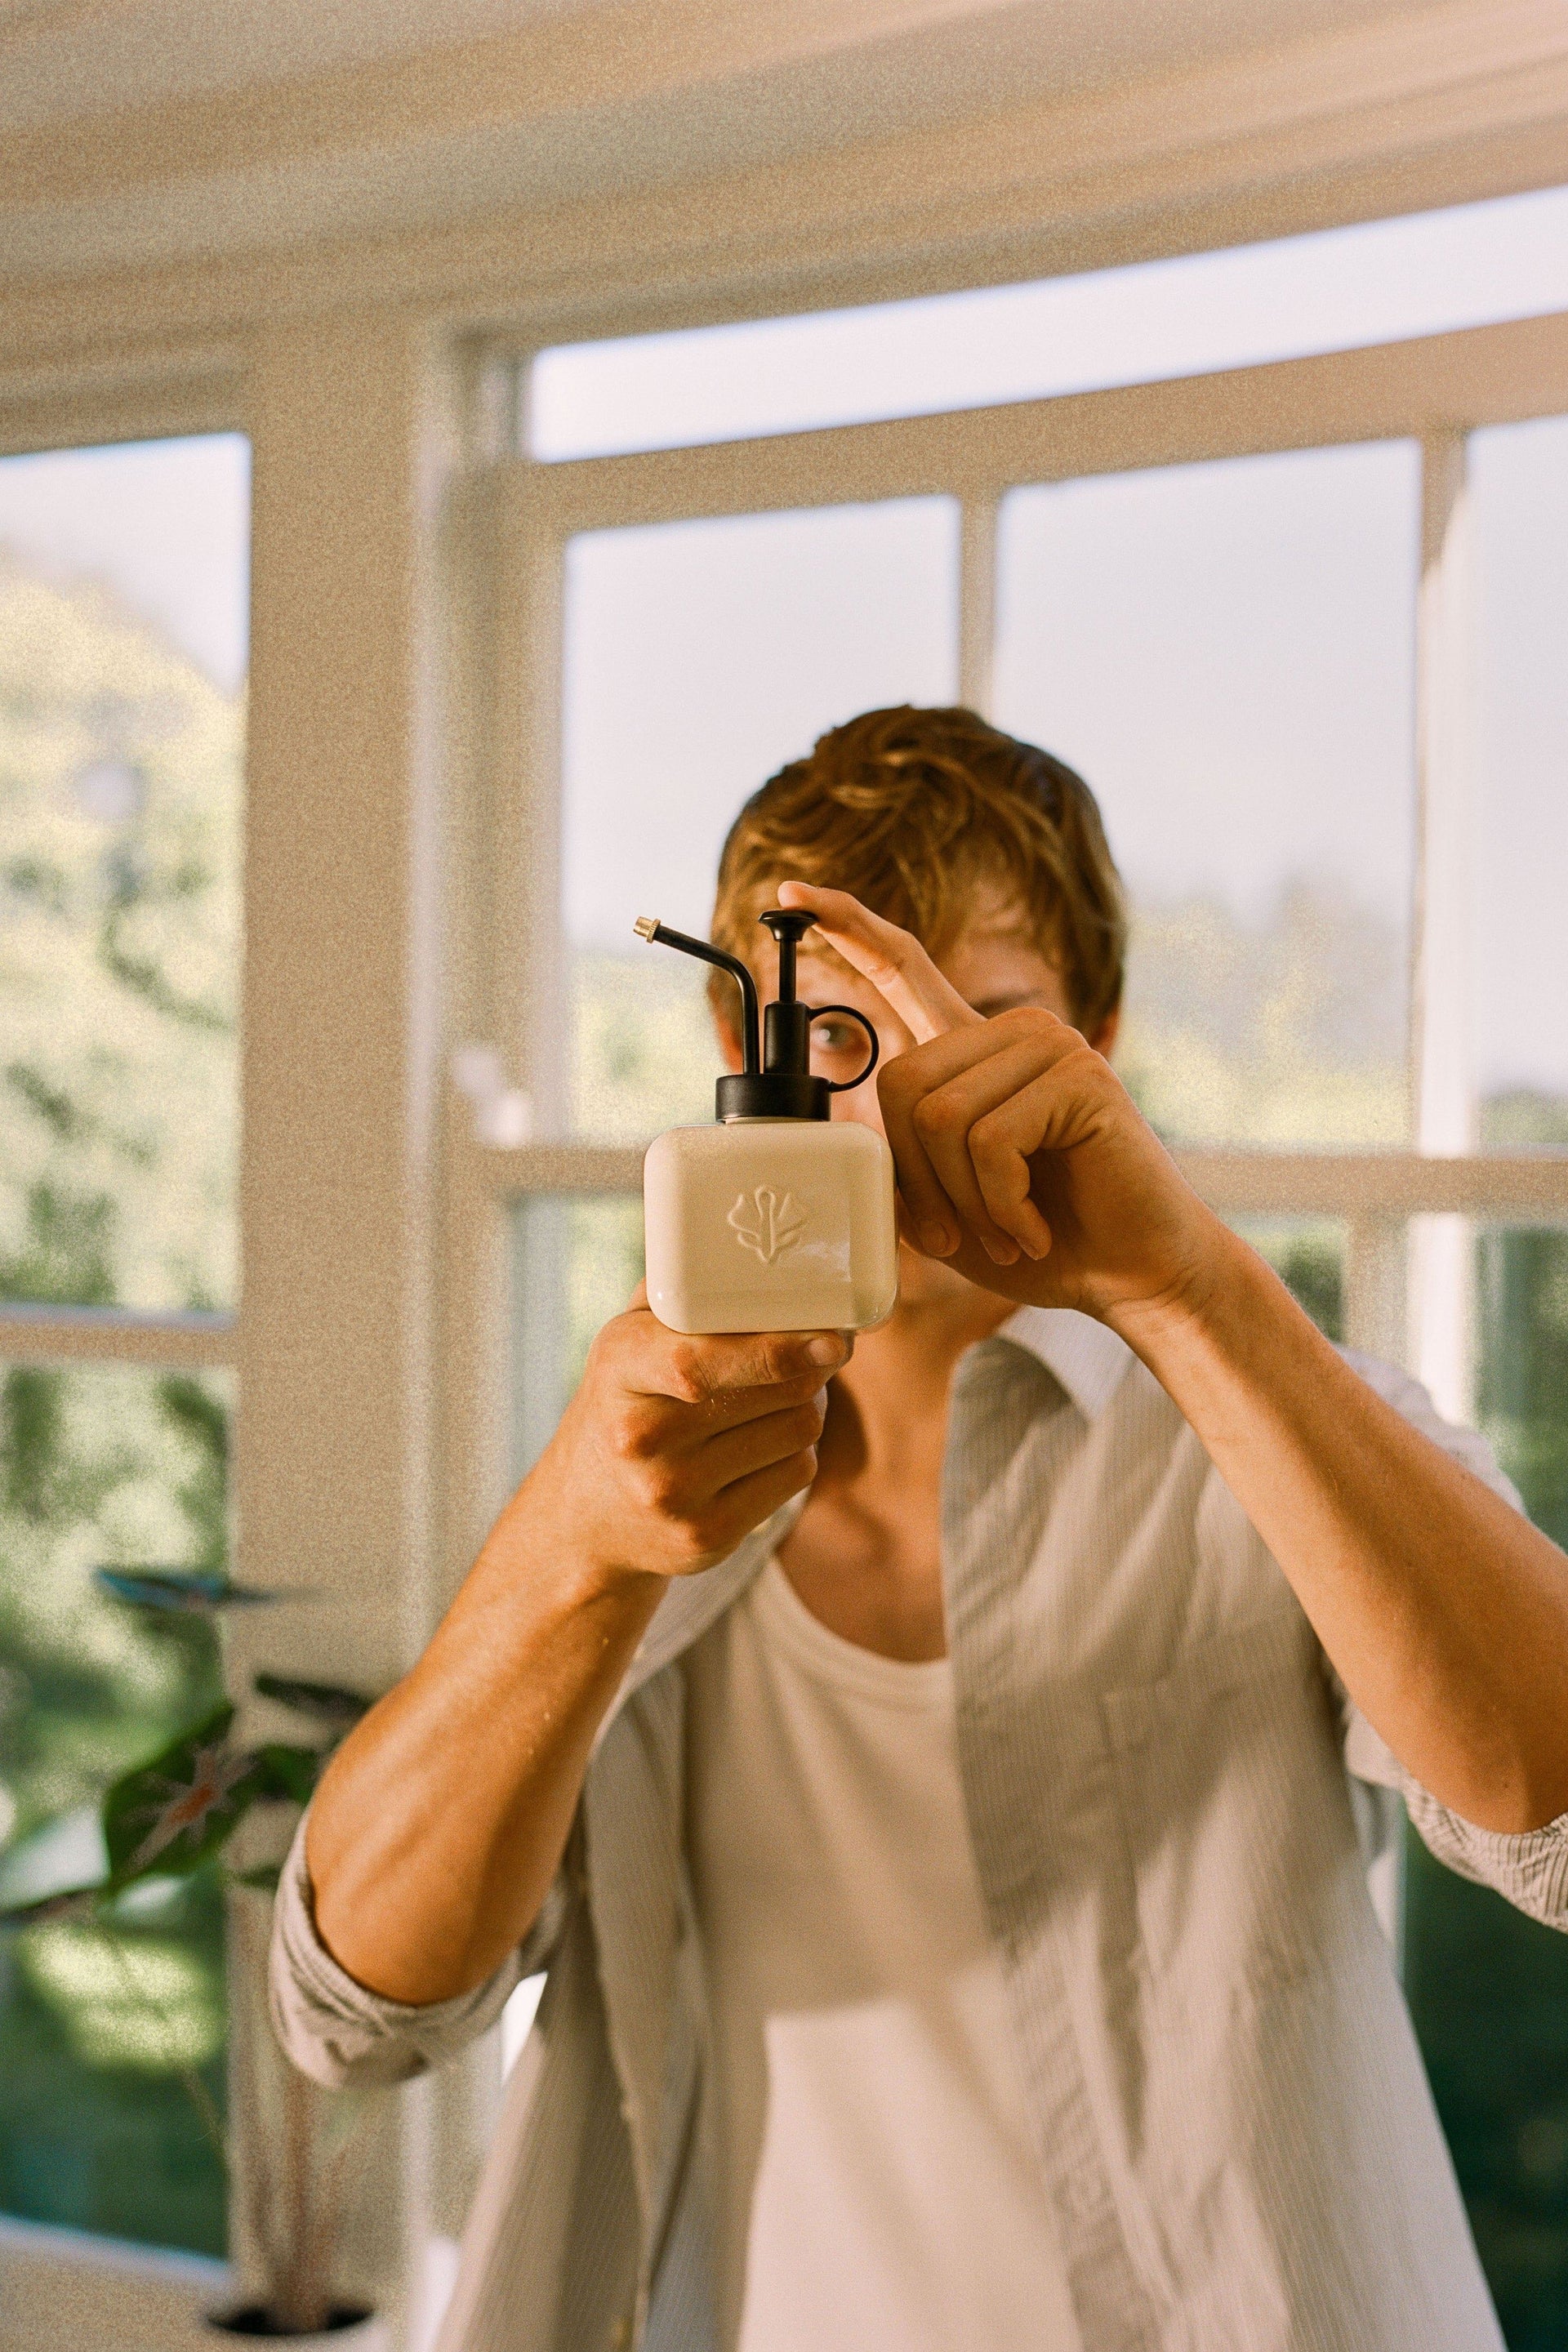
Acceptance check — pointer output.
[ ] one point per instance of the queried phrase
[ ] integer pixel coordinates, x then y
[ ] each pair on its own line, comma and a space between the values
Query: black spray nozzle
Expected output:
789, 926
786, 1023
648, 927
774, 1082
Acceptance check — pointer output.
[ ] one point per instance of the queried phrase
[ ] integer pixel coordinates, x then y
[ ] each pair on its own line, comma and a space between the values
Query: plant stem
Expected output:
195, 2090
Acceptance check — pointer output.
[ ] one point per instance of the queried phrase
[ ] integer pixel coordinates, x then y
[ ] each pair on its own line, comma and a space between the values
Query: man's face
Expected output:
994, 965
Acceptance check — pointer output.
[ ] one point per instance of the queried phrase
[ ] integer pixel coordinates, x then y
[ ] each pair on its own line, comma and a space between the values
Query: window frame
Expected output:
1407, 1216
168, 406
1402, 1296
331, 1345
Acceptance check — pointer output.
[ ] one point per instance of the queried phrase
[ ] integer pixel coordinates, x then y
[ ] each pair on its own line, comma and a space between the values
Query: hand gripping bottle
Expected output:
777, 1218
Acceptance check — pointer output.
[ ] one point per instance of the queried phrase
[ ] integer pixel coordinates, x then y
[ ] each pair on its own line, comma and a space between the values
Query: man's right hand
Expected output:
674, 1448
439, 1821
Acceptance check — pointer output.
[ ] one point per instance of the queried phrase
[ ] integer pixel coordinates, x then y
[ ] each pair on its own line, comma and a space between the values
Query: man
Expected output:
922, 1767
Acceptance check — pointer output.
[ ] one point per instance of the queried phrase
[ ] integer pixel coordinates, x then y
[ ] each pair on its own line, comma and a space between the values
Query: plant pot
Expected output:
351, 2328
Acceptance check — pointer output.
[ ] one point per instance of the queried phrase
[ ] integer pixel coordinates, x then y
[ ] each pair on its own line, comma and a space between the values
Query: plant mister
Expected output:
777, 1218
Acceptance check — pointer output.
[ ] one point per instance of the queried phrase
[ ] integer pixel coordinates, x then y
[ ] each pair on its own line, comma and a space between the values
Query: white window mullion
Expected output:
1444, 1052
488, 698
530, 994
978, 601
1442, 993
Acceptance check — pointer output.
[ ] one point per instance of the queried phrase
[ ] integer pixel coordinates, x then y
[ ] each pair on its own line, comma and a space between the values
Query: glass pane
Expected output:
98, 2129
1521, 1364
1225, 652
1308, 1253
700, 657
1520, 476
1488, 1987
122, 652
1334, 289
576, 1260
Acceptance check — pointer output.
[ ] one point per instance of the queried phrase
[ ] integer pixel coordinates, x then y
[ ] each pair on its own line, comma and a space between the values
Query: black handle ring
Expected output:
846, 1085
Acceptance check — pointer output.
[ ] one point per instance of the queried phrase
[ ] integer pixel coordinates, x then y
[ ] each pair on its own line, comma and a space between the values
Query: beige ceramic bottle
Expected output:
778, 1218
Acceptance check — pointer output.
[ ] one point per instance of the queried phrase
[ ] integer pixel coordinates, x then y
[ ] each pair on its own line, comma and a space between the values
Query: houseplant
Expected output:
208, 1803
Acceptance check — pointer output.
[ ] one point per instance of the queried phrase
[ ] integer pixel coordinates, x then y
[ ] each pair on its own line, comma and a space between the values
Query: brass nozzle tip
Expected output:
646, 926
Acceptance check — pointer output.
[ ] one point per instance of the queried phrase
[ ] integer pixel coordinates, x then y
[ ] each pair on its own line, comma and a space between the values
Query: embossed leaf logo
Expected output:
768, 1223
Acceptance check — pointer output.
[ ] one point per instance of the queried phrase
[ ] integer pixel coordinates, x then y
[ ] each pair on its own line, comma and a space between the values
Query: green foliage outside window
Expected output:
120, 808
1488, 1989
101, 2021
1279, 1035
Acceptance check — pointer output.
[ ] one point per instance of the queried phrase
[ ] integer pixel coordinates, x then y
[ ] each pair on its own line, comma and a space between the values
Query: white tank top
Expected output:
876, 2187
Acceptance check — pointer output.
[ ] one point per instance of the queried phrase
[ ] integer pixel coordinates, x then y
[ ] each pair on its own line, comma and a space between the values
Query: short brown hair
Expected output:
914, 811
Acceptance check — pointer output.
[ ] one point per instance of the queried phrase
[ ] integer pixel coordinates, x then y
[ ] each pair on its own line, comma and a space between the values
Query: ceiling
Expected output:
61, 60
157, 131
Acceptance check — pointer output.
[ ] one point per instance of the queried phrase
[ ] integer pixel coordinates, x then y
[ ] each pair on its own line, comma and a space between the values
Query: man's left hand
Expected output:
1021, 1158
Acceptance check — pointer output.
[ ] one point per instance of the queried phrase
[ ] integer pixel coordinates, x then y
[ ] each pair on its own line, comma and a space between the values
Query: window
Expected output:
1520, 819
576, 1259
1304, 647
122, 657
1250, 740
1488, 1989
100, 2024
1335, 290
700, 657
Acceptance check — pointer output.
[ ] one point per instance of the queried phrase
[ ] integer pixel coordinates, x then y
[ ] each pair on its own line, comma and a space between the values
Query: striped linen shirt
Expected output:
1164, 1783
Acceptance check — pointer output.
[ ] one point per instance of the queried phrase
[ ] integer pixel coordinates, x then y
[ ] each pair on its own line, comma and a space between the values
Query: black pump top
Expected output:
776, 1080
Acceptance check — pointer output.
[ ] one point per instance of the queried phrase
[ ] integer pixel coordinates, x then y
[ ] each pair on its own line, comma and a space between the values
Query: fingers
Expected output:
736, 1377
674, 1518
893, 960
1054, 1109
961, 1136
943, 1121
683, 1483
749, 1501
926, 1207
675, 1447
735, 1455
991, 1193
902, 1085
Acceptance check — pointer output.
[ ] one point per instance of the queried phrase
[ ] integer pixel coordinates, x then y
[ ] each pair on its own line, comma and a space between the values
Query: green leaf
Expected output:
266, 1877
291, 1772
69, 1903
170, 1813
195, 1591
327, 1702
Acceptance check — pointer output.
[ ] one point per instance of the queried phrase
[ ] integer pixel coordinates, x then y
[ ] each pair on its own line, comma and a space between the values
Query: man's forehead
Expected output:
997, 949
1003, 938
994, 922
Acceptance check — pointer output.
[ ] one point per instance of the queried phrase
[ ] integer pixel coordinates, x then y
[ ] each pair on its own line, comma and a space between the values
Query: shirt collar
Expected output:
1085, 1357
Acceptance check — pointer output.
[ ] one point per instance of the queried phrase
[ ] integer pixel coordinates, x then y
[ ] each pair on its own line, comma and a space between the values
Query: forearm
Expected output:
440, 1821
1444, 1612
438, 1825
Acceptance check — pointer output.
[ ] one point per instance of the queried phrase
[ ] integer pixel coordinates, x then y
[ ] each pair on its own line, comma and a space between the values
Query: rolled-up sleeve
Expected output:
338, 2032
1531, 1870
